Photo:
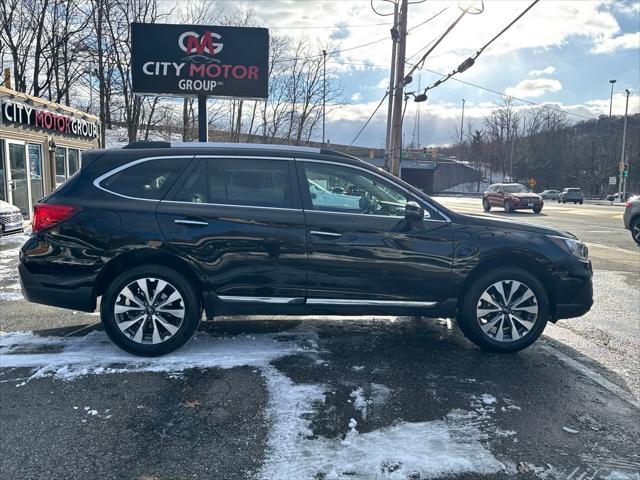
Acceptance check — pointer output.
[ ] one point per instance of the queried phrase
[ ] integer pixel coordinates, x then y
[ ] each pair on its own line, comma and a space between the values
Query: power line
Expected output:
332, 26
283, 60
368, 120
469, 62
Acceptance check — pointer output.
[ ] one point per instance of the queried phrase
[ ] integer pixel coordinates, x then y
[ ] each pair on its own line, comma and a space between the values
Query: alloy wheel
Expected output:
507, 310
149, 310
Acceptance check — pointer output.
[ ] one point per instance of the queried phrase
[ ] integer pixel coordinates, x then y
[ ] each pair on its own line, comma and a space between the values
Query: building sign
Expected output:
13, 112
185, 60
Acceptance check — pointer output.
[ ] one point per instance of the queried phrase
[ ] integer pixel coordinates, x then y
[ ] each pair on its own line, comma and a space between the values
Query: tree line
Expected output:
541, 143
78, 53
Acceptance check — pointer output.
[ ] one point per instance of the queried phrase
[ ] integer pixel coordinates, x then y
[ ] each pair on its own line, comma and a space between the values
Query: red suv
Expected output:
511, 196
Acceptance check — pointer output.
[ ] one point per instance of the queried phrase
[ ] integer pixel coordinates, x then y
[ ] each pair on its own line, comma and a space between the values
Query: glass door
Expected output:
3, 177
18, 177
35, 172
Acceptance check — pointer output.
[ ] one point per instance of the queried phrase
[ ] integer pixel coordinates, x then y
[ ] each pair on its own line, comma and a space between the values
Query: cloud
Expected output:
534, 87
356, 97
621, 42
340, 33
545, 71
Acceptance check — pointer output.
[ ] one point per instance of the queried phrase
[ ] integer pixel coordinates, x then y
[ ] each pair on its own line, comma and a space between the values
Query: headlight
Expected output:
572, 246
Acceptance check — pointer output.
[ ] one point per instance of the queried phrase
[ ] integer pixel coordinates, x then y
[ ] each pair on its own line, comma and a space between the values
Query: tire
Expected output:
507, 206
486, 206
537, 209
157, 333
558, 199
534, 319
635, 230
563, 202
581, 202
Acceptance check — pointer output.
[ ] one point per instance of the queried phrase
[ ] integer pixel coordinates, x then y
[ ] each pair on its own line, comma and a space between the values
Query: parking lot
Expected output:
338, 397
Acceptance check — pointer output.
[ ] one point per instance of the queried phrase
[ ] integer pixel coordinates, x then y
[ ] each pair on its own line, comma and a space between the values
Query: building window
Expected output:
60, 165
73, 156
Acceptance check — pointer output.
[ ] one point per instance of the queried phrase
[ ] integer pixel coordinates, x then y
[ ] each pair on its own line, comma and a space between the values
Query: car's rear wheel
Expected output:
486, 205
504, 310
635, 230
150, 310
507, 206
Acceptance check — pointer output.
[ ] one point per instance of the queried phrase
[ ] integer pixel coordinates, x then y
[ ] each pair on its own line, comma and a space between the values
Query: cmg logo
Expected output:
191, 42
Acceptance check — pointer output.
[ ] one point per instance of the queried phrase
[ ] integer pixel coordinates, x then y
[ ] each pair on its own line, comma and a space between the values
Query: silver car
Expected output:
631, 217
10, 219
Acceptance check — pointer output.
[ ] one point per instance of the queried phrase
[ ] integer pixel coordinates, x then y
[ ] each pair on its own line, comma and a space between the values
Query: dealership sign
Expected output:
185, 60
13, 112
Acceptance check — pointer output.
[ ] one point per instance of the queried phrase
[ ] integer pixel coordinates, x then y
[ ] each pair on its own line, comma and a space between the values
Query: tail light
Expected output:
627, 205
46, 215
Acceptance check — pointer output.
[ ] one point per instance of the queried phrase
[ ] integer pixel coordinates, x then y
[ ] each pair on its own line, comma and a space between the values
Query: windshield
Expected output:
516, 188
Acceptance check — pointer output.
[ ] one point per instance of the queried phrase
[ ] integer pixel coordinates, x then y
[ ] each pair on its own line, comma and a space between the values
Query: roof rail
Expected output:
147, 144
261, 146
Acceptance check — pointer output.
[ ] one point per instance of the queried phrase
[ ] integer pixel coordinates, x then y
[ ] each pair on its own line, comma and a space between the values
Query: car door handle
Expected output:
320, 233
191, 223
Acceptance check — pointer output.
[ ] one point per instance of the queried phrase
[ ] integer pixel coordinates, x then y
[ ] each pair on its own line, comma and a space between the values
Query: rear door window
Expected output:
147, 179
239, 181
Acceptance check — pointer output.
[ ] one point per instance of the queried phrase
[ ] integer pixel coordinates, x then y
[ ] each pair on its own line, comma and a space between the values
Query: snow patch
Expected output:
404, 450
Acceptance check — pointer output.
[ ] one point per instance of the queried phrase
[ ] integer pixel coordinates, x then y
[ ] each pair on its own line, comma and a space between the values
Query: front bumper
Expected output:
573, 289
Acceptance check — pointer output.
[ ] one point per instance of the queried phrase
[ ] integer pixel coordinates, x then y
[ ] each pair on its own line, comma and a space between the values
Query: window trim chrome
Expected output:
104, 176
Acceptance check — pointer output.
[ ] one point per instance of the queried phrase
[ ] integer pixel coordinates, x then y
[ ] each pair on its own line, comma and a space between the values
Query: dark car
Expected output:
511, 197
10, 219
162, 232
574, 195
631, 217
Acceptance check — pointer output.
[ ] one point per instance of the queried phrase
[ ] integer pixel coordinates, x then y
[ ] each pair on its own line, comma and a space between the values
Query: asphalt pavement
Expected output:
338, 397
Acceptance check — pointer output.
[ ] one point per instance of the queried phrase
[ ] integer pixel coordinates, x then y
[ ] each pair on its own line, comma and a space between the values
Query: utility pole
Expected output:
624, 140
461, 130
324, 91
396, 126
392, 81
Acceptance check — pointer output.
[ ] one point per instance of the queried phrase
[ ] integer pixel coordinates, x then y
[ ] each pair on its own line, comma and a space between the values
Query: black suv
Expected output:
164, 231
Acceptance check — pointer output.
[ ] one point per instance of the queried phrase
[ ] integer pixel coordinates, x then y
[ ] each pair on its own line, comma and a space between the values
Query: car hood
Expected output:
484, 221
525, 195
6, 207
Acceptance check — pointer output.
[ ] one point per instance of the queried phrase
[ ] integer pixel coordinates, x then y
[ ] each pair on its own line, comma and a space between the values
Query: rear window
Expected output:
574, 190
149, 179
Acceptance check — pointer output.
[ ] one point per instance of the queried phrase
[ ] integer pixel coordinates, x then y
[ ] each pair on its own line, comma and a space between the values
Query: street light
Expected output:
624, 140
611, 99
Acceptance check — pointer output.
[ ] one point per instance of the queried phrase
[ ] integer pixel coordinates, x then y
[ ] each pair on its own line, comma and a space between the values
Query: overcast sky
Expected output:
561, 52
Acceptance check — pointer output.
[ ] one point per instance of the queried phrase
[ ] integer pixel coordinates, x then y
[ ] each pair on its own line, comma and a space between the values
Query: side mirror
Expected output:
413, 211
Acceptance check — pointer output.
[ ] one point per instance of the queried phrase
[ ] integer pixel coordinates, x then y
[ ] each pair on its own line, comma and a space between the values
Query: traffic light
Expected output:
424, 152
625, 172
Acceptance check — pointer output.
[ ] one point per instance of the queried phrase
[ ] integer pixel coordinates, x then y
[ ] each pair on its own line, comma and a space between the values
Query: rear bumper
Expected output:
51, 290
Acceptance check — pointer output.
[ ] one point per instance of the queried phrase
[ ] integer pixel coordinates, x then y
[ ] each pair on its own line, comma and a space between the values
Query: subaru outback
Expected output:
164, 234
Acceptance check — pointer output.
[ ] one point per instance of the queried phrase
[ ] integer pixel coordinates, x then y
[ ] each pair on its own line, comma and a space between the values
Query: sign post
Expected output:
200, 60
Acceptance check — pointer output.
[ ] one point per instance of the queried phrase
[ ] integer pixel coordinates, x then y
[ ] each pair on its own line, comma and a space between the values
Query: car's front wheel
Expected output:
635, 230
150, 310
486, 206
537, 209
504, 310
